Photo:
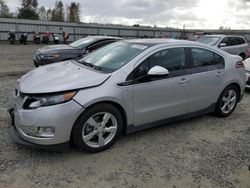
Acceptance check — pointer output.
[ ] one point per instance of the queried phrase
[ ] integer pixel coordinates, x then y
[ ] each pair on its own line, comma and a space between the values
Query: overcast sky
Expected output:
195, 14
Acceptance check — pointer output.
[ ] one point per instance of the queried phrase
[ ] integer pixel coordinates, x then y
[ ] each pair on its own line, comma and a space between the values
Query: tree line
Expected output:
29, 9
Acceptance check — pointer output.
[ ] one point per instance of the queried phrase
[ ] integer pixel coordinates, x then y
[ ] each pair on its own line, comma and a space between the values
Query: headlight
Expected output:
48, 100
53, 56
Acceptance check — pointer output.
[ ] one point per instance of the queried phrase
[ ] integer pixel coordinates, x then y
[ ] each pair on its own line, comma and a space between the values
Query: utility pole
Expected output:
183, 33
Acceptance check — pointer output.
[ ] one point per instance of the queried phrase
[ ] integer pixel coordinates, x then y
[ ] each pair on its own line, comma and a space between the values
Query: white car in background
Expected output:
247, 66
232, 44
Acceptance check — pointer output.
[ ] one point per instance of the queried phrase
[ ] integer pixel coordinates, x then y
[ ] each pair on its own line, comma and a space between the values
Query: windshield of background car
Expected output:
113, 56
82, 43
209, 40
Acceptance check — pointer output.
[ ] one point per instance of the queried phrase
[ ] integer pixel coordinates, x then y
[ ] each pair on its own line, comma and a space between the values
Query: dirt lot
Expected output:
200, 152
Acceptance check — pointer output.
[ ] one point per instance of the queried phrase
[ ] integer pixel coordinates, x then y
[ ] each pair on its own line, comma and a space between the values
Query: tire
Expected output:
36, 64
100, 135
227, 102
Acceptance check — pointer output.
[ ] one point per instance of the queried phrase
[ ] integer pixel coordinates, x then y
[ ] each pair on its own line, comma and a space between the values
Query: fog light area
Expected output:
40, 132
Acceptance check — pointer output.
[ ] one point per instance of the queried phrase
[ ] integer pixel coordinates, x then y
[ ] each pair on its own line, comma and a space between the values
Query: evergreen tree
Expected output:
42, 13
58, 12
49, 14
28, 10
74, 12
4, 10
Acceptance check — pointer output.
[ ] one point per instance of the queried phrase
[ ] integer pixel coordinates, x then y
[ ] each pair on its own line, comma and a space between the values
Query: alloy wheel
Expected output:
99, 129
228, 101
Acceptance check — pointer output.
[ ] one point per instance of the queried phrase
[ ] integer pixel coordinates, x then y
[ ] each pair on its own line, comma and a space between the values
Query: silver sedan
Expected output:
124, 87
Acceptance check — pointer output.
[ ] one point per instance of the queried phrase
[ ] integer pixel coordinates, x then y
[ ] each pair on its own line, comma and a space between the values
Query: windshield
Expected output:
112, 57
82, 43
209, 40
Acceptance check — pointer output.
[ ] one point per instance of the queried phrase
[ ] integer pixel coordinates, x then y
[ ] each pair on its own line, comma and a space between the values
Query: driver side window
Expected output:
225, 41
173, 60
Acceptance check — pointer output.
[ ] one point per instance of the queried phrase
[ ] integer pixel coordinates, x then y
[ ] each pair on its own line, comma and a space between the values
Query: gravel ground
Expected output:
201, 152
16, 59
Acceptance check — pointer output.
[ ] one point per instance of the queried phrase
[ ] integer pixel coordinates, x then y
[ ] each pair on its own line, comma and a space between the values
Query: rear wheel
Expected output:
97, 128
227, 101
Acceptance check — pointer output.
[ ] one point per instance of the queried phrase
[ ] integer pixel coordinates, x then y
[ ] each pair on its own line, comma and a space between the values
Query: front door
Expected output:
158, 98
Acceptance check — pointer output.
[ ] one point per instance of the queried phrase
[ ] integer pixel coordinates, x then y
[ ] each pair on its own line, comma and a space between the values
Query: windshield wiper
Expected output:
89, 65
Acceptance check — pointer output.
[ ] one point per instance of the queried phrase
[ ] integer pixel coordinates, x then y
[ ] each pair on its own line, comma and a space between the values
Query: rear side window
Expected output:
206, 58
234, 41
240, 40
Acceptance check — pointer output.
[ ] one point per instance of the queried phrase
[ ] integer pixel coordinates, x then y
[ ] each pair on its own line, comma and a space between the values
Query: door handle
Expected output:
183, 81
219, 74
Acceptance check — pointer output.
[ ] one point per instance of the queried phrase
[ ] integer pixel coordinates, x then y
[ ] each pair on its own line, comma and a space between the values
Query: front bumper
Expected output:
18, 140
40, 62
62, 117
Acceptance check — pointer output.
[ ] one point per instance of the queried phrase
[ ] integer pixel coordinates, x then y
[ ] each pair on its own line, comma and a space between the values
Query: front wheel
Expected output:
97, 128
227, 101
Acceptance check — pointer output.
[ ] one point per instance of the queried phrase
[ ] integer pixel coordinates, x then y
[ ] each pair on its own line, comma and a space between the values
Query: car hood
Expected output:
55, 48
64, 76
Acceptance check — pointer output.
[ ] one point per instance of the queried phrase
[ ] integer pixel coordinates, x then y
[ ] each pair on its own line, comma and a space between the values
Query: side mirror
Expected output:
158, 71
222, 44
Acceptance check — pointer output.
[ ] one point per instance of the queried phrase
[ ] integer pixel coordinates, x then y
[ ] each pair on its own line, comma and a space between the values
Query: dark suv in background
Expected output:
232, 44
74, 50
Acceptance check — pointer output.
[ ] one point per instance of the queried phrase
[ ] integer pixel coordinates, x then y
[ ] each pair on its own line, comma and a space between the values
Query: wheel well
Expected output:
122, 111
119, 107
238, 88
116, 105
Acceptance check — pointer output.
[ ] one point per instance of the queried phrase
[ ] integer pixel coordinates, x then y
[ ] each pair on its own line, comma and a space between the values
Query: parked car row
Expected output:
122, 86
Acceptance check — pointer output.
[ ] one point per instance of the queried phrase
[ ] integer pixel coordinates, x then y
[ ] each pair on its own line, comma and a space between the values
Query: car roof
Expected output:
100, 37
153, 42
222, 35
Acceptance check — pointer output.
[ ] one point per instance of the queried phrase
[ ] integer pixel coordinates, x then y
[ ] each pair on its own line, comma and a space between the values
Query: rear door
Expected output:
240, 45
208, 69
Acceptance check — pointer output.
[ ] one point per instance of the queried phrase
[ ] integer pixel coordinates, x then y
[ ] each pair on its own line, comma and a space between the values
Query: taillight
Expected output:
240, 64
